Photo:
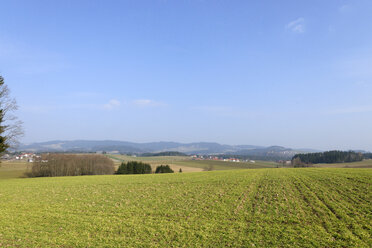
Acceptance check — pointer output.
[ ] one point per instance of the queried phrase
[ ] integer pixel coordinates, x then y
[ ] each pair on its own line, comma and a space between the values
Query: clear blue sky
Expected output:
291, 73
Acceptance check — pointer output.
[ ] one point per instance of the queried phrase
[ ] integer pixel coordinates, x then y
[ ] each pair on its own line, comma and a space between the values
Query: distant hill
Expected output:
131, 147
268, 153
201, 148
159, 154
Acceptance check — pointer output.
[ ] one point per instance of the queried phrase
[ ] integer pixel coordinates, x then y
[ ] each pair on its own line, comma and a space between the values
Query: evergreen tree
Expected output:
123, 169
328, 157
163, 169
130, 168
134, 167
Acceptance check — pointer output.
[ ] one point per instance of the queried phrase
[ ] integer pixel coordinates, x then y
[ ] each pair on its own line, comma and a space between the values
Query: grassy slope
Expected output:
12, 169
225, 165
361, 164
186, 164
156, 159
260, 208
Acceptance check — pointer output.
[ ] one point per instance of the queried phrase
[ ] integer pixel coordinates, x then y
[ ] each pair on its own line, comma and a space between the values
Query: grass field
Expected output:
156, 159
225, 165
12, 169
361, 164
16, 169
311, 207
188, 165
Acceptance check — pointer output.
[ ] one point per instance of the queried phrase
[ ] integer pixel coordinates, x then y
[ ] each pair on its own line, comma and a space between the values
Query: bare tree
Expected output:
56, 165
11, 128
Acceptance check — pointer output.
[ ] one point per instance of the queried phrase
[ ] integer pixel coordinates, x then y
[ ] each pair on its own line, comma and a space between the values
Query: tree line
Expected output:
135, 167
326, 157
54, 165
367, 155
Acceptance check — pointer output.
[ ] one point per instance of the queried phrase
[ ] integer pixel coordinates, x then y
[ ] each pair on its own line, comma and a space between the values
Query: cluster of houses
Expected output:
29, 157
216, 158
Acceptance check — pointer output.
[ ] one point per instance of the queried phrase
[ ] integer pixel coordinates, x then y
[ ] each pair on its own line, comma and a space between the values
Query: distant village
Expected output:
215, 158
31, 157
24, 156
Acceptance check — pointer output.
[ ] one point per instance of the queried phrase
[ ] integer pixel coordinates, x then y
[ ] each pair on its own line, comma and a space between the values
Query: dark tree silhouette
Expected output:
10, 126
163, 169
134, 167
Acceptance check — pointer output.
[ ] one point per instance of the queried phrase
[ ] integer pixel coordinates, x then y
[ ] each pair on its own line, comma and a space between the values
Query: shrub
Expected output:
209, 167
163, 169
134, 167
54, 165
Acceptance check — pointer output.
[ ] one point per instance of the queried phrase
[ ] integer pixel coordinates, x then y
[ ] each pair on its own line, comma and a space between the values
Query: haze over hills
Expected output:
200, 148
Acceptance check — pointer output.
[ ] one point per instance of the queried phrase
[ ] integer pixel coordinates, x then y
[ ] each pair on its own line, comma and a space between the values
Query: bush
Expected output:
55, 165
209, 167
134, 167
163, 169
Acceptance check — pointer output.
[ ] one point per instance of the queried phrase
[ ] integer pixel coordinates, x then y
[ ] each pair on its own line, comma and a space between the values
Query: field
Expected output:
16, 169
311, 207
361, 164
225, 165
12, 169
156, 159
188, 165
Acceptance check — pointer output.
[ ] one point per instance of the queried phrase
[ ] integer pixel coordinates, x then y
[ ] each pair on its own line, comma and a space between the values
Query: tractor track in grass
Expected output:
346, 192
350, 176
256, 196
343, 216
245, 195
327, 184
329, 207
310, 205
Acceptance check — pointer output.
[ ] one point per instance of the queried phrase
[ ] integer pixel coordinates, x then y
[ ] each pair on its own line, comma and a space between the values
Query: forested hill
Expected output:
328, 157
367, 155
158, 154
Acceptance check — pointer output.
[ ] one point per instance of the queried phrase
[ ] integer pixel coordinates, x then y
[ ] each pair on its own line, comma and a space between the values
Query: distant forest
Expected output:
266, 157
328, 157
367, 155
158, 154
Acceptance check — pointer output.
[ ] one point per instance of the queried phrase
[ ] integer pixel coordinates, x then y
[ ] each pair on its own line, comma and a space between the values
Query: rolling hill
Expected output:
124, 147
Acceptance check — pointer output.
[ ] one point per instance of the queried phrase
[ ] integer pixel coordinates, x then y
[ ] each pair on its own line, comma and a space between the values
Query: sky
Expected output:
291, 73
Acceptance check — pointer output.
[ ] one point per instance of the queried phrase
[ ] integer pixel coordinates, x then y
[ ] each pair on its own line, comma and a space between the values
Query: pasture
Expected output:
13, 169
156, 161
188, 165
306, 207
226, 165
362, 164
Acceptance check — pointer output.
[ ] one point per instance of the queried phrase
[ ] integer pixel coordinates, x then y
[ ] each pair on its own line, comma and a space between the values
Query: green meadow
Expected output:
311, 207
226, 165
189, 165
362, 164
13, 169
